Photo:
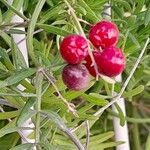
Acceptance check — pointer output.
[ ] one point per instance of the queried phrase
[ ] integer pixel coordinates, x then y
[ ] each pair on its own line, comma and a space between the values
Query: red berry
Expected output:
74, 48
104, 34
111, 61
88, 62
76, 77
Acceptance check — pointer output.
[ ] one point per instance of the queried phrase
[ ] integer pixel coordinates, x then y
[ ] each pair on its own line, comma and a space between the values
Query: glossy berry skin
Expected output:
76, 77
104, 34
88, 62
74, 48
111, 62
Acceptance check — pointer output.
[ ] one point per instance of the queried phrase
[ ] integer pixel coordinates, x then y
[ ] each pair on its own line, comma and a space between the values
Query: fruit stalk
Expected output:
116, 99
75, 19
83, 34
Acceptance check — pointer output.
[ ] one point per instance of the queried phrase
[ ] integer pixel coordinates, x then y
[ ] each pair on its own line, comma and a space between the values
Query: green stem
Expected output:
130, 119
38, 85
107, 88
14, 10
31, 30
135, 133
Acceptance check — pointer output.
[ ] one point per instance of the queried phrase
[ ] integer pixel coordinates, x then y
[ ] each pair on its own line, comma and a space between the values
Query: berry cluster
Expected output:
109, 59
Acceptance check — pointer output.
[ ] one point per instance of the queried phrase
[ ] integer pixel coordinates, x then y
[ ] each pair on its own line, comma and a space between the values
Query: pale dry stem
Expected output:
71, 106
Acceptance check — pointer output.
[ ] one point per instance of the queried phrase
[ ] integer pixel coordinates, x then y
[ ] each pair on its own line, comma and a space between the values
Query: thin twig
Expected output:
87, 134
6, 103
100, 111
79, 126
74, 139
37, 31
13, 25
70, 106
72, 12
72, 136
115, 99
84, 21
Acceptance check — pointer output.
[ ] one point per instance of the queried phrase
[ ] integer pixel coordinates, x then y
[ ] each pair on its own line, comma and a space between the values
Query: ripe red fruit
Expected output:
74, 48
88, 62
76, 77
111, 62
104, 34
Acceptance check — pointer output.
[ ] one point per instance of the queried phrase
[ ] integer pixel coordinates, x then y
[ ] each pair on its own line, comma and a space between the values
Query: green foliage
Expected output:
46, 101
26, 112
23, 146
147, 142
17, 77
53, 29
